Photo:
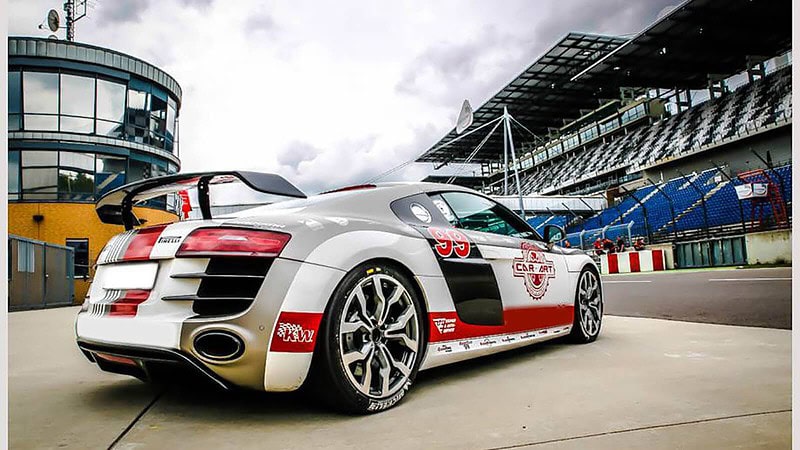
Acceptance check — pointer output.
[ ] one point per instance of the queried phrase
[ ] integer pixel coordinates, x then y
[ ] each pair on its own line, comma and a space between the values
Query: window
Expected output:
77, 96
139, 170
110, 101
38, 158
39, 183
138, 114
40, 100
74, 185
110, 172
84, 161
571, 142
588, 133
608, 125
81, 261
13, 175
481, 214
172, 109
14, 102
110, 108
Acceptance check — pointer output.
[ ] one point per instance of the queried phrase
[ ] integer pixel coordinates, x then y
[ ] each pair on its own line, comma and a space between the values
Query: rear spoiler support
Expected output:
203, 197
116, 206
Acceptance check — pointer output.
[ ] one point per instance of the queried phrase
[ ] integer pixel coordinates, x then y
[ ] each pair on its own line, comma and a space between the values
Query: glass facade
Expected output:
74, 176
87, 104
14, 101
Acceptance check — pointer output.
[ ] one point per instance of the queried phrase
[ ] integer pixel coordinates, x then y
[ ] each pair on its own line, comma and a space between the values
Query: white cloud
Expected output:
331, 93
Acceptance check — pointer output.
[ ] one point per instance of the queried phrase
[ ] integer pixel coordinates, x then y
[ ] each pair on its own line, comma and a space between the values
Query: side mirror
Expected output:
553, 234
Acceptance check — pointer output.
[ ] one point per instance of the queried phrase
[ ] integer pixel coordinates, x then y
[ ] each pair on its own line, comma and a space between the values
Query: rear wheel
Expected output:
372, 341
588, 308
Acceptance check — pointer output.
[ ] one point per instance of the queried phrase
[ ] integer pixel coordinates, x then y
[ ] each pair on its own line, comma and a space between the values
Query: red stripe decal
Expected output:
142, 243
658, 260
296, 332
613, 264
634, 259
445, 326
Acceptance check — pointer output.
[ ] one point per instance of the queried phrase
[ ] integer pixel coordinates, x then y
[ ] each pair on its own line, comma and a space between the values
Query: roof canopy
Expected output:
697, 39
540, 97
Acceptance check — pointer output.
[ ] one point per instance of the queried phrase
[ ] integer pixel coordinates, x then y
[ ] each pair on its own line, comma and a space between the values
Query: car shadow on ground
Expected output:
204, 401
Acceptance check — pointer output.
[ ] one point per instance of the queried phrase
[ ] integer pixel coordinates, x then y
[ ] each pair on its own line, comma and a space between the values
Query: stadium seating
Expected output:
701, 200
743, 110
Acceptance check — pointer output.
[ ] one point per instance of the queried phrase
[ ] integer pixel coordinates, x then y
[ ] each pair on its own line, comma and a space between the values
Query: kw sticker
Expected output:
295, 332
535, 269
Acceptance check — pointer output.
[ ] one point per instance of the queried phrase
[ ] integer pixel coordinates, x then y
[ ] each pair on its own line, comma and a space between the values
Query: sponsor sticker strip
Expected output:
463, 345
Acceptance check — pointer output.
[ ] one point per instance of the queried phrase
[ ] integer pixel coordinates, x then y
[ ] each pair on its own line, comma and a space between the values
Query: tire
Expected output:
588, 317
355, 336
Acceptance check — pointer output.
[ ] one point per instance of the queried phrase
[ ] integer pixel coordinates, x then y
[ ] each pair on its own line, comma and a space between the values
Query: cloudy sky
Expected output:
332, 93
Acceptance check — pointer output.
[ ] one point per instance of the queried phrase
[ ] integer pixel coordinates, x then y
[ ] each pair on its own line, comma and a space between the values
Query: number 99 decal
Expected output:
449, 241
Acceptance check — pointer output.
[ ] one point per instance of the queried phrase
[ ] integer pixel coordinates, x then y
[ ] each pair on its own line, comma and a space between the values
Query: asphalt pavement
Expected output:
645, 383
749, 297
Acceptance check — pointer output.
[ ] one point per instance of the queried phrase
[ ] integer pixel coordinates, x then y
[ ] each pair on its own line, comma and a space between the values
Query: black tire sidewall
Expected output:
577, 334
329, 369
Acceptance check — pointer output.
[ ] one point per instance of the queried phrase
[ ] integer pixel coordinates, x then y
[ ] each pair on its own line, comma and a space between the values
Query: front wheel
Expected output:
372, 341
588, 308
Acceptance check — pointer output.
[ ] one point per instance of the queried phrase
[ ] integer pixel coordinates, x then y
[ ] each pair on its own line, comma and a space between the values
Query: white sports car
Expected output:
351, 292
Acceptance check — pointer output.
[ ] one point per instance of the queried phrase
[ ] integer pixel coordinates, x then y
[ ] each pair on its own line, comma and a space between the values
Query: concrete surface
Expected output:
645, 384
750, 297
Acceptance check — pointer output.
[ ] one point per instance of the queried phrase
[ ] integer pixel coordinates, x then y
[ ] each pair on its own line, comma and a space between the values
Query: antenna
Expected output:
75, 10
53, 20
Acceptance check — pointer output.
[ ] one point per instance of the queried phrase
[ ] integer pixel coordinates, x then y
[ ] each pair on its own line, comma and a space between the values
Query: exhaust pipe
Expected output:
219, 345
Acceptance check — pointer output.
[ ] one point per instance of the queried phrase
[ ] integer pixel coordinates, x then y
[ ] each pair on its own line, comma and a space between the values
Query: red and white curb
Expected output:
629, 262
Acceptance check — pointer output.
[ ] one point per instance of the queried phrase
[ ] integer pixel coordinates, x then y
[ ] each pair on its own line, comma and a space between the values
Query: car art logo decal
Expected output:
535, 269
449, 241
292, 332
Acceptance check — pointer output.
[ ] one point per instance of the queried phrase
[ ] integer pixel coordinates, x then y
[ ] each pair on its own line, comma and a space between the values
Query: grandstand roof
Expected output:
540, 97
697, 38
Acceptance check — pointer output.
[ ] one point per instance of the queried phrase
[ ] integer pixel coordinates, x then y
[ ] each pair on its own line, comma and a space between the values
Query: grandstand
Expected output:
664, 125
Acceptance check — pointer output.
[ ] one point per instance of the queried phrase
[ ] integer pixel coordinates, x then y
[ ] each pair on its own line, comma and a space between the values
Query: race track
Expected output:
748, 297
646, 383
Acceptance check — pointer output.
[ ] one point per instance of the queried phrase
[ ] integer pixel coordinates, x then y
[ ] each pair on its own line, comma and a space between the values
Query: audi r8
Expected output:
349, 292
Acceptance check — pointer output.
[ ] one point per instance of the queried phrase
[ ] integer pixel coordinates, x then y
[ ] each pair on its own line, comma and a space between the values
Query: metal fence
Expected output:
40, 275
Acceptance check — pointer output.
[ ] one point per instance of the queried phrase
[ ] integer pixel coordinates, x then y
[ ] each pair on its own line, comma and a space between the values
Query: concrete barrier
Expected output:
769, 247
627, 262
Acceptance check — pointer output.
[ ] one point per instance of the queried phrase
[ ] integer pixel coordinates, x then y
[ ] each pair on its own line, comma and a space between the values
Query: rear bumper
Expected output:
148, 362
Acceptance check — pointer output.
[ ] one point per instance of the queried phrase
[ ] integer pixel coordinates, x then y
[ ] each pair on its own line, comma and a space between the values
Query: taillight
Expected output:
232, 242
128, 305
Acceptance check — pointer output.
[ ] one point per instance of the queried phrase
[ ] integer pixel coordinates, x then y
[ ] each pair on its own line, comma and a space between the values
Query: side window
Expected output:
444, 209
473, 212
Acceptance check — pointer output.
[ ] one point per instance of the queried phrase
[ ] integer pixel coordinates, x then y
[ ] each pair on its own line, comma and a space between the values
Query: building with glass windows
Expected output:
83, 120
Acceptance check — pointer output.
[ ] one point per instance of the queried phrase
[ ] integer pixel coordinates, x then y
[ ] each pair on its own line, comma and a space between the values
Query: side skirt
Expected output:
447, 352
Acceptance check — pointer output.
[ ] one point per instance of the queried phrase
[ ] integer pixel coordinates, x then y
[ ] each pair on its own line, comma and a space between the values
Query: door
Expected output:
532, 280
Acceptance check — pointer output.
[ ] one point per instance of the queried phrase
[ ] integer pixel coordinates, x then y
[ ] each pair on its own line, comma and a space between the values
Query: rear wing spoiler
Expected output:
116, 206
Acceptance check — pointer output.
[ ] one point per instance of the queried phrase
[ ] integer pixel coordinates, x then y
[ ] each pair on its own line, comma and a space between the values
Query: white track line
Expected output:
752, 279
627, 281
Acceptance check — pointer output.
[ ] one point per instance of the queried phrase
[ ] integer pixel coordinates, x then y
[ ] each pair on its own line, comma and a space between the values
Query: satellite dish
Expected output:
52, 36
464, 117
53, 20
